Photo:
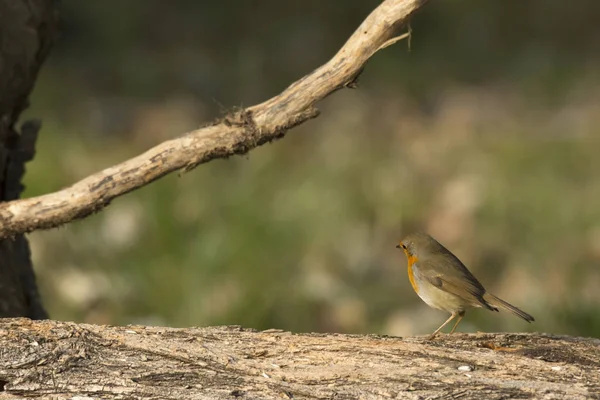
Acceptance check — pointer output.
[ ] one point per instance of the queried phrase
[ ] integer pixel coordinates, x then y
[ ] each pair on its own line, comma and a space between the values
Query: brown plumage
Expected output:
442, 281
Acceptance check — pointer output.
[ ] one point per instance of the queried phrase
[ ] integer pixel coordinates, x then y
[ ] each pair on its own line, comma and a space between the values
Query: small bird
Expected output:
442, 281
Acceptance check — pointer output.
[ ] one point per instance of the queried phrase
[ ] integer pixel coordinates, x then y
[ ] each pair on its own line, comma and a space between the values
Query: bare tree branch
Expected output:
51, 359
236, 134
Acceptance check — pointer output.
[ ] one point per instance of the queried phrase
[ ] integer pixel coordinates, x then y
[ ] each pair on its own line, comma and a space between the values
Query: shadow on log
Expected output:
62, 360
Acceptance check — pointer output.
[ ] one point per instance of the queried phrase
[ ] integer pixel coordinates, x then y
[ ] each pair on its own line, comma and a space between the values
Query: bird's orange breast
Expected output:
411, 276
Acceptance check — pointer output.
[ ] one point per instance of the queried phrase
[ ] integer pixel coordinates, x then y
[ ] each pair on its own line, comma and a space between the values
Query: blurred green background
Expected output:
485, 134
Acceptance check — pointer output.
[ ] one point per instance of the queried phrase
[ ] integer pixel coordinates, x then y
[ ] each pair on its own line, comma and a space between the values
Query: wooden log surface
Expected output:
49, 359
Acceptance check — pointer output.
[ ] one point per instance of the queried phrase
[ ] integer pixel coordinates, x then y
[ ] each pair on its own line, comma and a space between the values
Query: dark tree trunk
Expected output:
27, 30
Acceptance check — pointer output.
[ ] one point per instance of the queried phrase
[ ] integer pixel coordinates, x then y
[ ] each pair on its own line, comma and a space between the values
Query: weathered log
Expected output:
63, 360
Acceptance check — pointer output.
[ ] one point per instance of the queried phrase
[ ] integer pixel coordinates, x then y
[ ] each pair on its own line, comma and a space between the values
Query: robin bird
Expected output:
443, 282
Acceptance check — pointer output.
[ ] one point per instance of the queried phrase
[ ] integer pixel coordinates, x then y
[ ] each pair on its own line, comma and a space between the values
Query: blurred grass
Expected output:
300, 234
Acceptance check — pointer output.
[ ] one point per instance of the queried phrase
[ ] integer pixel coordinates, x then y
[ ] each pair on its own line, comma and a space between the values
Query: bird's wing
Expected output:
457, 280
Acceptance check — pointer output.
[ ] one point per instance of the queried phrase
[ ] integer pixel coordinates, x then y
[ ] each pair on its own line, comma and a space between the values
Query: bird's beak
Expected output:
398, 246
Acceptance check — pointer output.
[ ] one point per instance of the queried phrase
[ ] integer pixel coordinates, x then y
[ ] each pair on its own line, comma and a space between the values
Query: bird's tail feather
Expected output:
497, 302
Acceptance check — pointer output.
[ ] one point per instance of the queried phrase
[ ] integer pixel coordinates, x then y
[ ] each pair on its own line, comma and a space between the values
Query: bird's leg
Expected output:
460, 317
454, 314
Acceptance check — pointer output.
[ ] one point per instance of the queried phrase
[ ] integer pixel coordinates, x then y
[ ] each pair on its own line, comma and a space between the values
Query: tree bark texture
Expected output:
27, 29
238, 133
49, 359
